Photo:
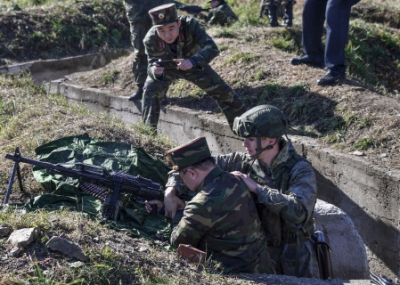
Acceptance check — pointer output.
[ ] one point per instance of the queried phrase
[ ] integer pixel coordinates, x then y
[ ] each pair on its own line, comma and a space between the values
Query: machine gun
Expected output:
191, 9
94, 180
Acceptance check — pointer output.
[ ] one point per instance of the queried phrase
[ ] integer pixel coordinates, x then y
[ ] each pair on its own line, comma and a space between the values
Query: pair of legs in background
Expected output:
140, 63
336, 13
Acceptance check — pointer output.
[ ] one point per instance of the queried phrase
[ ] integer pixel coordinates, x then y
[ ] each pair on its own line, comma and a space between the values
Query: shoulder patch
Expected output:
181, 34
161, 44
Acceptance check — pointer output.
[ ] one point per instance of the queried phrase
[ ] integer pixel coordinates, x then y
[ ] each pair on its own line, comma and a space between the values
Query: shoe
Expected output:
331, 78
287, 23
137, 95
307, 61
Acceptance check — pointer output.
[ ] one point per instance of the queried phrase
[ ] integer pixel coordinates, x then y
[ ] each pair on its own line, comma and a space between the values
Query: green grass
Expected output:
21, 4
364, 144
110, 76
86, 27
242, 57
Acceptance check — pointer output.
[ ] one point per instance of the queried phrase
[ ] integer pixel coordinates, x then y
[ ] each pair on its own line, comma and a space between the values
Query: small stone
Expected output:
4, 231
15, 252
358, 153
76, 264
143, 249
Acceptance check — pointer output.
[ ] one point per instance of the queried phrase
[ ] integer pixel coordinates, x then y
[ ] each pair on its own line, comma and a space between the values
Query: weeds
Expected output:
242, 57
110, 76
363, 144
224, 33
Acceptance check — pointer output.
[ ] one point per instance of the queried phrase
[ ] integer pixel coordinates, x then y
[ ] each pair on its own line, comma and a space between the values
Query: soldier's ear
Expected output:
179, 23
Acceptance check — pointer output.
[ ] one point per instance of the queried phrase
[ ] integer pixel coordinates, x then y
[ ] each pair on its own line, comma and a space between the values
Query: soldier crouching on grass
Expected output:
184, 44
221, 14
221, 219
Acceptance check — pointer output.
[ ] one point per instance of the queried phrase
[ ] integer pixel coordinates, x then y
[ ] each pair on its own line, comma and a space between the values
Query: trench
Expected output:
368, 194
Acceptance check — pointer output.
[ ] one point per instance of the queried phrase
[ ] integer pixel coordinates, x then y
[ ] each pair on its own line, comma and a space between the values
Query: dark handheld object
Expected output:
380, 280
94, 180
191, 9
166, 63
323, 255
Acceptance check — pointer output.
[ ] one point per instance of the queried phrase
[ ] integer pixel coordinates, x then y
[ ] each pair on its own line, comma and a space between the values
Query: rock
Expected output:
143, 249
15, 252
358, 153
21, 238
77, 264
66, 247
5, 230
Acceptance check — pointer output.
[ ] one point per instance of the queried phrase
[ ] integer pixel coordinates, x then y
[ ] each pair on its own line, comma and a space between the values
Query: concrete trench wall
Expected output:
47, 70
368, 194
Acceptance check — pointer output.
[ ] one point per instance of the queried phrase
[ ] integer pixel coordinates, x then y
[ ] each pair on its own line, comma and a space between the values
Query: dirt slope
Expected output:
350, 116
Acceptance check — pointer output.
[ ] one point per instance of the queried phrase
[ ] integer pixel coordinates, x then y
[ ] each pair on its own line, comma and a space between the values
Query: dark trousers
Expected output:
139, 64
337, 16
207, 79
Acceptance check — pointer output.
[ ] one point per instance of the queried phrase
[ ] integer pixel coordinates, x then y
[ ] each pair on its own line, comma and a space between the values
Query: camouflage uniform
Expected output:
222, 15
221, 219
193, 43
140, 23
275, 8
285, 205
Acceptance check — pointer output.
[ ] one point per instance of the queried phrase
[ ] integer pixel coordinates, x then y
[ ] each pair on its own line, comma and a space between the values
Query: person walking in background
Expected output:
271, 8
337, 16
140, 22
179, 48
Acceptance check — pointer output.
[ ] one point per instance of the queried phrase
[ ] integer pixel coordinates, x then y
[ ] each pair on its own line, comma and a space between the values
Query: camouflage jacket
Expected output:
222, 15
192, 43
222, 221
137, 10
288, 193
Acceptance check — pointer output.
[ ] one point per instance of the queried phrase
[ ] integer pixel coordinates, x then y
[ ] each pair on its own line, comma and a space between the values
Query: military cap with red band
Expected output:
189, 153
163, 15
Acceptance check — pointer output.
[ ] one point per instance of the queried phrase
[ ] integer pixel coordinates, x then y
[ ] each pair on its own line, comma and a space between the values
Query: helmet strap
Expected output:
259, 149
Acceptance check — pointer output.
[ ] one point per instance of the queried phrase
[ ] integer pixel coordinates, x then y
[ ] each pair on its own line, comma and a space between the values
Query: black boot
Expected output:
273, 18
288, 17
138, 94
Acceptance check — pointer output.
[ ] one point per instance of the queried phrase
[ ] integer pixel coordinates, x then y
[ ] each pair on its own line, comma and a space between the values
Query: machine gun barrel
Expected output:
116, 182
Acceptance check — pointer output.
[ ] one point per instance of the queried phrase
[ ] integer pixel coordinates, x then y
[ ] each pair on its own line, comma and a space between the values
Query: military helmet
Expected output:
261, 121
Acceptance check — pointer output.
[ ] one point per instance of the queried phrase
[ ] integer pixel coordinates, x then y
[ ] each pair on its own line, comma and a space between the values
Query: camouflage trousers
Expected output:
206, 79
277, 3
139, 64
275, 9
287, 256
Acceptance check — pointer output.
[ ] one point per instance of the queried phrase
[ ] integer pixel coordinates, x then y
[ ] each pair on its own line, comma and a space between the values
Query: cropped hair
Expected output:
204, 164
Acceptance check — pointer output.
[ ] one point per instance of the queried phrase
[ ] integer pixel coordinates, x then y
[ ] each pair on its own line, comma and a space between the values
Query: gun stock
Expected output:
94, 180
